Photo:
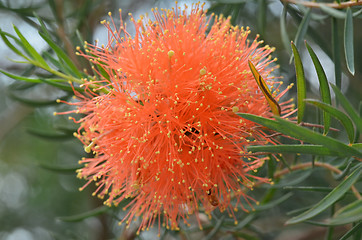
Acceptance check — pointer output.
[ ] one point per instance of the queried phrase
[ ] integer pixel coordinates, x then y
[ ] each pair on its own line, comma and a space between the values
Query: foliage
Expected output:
316, 168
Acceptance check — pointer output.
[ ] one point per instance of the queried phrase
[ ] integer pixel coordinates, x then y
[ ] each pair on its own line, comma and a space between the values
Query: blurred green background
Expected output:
33, 195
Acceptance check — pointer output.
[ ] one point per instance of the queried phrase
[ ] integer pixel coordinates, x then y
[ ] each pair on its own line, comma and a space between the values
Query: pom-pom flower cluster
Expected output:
161, 119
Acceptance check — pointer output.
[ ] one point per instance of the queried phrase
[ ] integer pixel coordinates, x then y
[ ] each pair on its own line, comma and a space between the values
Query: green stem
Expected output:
64, 76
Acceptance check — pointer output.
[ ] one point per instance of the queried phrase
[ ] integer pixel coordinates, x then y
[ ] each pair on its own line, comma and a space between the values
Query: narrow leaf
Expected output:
55, 136
274, 203
301, 84
271, 166
357, 146
33, 53
357, 13
42, 25
54, 61
290, 129
345, 172
4, 36
336, 53
62, 55
332, 12
348, 41
348, 214
264, 88
34, 103
60, 169
330, 199
356, 229
58, 84
313, 33
215, 229
342, 117
21, 85
294, 178
310, 189
243, 235
262, 12
295, 148
82, 216
283, 29
323, 86
302, 29
21, 78
348, 107
282, 159
245, 221
358, 132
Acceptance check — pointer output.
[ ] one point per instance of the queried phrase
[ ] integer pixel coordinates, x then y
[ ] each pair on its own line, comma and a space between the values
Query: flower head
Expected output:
165, 133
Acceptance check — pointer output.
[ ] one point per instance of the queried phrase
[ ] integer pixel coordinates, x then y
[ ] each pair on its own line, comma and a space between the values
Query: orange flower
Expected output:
165, 133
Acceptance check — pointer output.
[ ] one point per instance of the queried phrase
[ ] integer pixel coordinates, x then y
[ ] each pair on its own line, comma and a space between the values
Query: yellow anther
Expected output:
170, 53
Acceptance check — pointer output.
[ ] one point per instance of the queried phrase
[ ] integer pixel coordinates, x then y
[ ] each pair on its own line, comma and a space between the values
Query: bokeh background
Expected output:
38, 184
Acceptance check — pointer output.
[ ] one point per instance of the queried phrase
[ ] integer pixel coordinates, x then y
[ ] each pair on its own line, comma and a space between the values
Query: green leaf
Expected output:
57, 83
62, 55
332, 12
342, 117
236, 12
34, 103
5, 36
21, 85
271, 166
348, 41
348, 214
21, 78
32, 52
296, 148
330, 199
283, 29
56, 62
357, 146
42, 25
348, 107
231, 1
274, 203
336, 53
310, 188
275, 108
103, 72
55, 136
356, 229
302, 29
293, 178
262, 12
60, 169
314, 34
82, 216
243, 235
323, 87
301, 84
357, 13
215, 229
358, 132
282, 159
290, 129
345, 172
245, 221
